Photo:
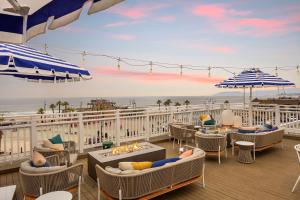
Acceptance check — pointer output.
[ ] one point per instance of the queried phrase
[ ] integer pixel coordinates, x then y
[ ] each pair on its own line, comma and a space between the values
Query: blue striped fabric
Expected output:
49, 14
254, 78
25, 62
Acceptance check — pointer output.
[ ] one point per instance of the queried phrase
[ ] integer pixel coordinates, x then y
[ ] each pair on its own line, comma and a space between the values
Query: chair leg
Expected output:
296, 183
254, 153
203, 179
226, 152
232, 149
120, 194
79, 187
174, 143
219, 155
98, 191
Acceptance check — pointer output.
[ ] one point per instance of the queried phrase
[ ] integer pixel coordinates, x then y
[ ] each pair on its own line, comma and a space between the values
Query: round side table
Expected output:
245, 149
57, 195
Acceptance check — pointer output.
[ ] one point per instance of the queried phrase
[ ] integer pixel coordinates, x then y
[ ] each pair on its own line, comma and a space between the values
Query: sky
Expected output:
232, 34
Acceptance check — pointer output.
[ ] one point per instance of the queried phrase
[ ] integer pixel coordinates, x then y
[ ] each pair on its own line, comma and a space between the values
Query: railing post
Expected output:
250, 114
81, 132
33, 133
147, 125
191, 117
277, 115
118, 131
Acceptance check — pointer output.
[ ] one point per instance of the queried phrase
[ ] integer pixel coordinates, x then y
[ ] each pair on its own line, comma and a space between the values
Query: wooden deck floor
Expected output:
272, 176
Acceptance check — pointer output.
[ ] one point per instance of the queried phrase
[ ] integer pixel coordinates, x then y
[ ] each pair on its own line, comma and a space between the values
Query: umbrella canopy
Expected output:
21, 20
24, 62
254, 78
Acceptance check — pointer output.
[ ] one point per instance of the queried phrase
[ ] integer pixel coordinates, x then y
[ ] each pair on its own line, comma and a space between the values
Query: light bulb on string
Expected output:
119, 66
46, 48
83, 54
180, 70
151, 67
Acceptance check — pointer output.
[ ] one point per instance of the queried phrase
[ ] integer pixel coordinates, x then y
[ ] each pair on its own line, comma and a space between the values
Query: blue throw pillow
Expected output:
268, 126
210, 122
163, 162
246, 131
45, 165
56, 140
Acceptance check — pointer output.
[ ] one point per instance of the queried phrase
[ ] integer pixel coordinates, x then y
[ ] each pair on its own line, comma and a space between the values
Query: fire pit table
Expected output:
144, 151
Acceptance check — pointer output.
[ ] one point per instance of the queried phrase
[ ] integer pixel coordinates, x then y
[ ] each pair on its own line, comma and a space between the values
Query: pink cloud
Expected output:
226, 19
124, 37
73, 29
167, 18
139, 11
224, 50
156, 77
123, 23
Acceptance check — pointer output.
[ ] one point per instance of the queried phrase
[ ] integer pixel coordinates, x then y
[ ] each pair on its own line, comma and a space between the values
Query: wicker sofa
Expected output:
262, 141
150, 183
38, 181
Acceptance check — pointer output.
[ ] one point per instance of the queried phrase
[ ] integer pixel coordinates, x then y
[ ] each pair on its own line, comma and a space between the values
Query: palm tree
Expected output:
59, 103
159, 103
52, 107
177, 104
167, 103
41, 111
65, 104
186, 103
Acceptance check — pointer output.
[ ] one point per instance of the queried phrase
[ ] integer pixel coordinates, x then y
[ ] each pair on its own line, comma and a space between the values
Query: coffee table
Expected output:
57, 195
7, 192
147, 152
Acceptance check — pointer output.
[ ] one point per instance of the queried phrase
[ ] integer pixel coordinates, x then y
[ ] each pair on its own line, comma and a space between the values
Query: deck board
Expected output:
271, 176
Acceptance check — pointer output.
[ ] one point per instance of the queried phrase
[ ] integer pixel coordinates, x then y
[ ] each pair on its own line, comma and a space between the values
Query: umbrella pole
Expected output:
244, 97
25, 17
250, 94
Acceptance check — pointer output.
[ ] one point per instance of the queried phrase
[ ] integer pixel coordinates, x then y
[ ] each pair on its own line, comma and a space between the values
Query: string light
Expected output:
46, 48
83, 54
151, 67
141, 63
119, 66
181, 70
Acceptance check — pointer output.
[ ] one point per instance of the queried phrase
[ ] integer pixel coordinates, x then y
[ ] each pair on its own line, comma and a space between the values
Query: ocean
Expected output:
31, 105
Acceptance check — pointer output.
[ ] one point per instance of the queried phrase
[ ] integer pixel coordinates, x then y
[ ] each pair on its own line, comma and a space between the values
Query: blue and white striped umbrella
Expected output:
254, 78
22, 20
24, 62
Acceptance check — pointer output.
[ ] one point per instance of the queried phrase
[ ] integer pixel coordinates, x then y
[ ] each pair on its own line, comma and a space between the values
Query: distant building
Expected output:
101, 104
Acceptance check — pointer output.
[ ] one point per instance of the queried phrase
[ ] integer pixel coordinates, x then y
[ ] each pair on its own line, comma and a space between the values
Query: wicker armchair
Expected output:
182, 134
49, 179
67, 156
212, 144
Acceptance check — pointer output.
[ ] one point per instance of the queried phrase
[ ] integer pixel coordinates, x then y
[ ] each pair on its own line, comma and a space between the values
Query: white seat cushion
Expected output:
26, 167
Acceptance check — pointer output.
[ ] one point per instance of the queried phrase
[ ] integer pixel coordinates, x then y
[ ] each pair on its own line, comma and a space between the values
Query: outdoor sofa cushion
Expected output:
37, 159
134, 165
26, 167
56, 139
164, 161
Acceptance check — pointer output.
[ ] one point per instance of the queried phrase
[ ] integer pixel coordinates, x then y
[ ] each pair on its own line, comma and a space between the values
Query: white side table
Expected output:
7, 192
58, 195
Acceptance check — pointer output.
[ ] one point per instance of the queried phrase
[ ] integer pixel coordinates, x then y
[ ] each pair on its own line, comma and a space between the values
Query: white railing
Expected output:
90, 129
